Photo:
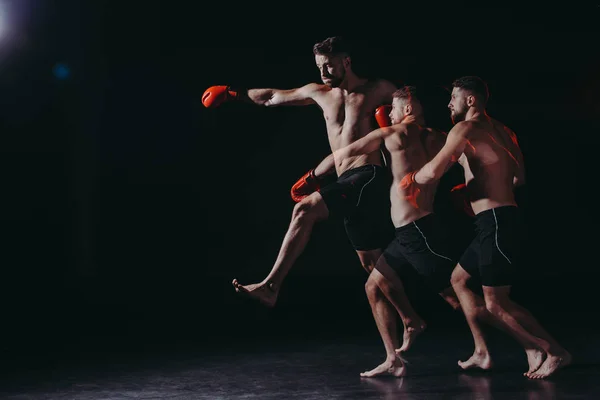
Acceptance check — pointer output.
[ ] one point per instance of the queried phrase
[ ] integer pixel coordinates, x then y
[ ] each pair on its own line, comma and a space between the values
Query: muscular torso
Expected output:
409, 151
349, 117
490, 165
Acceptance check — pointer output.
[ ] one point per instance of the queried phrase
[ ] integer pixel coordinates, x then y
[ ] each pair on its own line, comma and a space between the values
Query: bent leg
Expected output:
529, 322
385, 319
306, 213
475, 311
502, 307
391, 286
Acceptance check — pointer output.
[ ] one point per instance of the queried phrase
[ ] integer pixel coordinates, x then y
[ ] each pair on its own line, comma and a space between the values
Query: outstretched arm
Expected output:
278, 97
450, 152
214, 96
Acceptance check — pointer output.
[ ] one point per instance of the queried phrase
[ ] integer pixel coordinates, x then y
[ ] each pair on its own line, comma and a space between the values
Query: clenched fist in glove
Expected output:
306, 185
214, 96
382, 115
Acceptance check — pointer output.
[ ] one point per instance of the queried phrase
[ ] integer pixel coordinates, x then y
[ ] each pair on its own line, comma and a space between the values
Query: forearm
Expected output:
325, 167
280, 97
443, 160
429, 173
261, 97
366, 145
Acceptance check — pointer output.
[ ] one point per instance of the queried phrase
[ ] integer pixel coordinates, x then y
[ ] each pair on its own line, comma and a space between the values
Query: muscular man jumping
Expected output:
360, 194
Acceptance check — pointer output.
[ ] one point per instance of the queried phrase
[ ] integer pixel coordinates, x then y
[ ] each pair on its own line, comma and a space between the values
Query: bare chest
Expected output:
341, 108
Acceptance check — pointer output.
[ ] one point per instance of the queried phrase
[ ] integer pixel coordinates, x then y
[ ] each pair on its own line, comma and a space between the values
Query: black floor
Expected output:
327, 368
211, 344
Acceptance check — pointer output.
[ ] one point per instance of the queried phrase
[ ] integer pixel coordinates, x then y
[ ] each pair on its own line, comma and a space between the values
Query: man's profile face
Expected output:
332, 68
397, 113
458, 105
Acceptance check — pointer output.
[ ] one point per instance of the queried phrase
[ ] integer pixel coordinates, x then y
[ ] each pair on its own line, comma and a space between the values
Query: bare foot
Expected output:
410, 333
394, 367
258, 291
479, 359
535, 358
552, 363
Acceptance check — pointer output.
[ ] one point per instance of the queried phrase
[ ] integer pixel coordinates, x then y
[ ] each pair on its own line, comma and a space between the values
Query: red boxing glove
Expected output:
306, 185
214, 96
408, 180
461, 200
382, 115
408, 190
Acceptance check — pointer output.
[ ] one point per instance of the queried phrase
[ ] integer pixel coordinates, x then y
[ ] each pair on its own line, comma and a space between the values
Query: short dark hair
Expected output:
474, 84
332, 46
406, 92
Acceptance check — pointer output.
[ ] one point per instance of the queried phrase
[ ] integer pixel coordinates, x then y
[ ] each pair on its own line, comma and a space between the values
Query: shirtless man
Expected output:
360, 194
493, 164
420, 242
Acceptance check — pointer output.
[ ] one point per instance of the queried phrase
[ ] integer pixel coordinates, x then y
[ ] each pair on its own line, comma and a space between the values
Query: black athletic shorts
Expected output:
361, 196
424, 246
496, 250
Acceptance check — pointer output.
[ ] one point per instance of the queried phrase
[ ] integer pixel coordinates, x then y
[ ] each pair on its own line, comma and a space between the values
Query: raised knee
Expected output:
303, 211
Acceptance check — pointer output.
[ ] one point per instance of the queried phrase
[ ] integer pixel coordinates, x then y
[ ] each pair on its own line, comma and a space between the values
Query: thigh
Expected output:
369, 223
369, 258
469, 261
393, 265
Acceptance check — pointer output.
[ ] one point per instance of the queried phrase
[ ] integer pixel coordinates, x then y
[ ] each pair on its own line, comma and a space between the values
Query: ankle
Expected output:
413, 324
545, 346
481, 351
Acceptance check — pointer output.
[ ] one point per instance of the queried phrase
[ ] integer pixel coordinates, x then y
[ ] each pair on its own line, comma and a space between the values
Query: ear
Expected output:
408, 109
347, 62
470, 100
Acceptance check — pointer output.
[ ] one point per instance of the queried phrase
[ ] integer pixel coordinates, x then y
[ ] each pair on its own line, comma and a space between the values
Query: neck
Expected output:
420, 119
474, 113
352, 82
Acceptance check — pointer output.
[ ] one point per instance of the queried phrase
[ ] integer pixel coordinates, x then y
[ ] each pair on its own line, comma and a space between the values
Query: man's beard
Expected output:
335, 81
457, 117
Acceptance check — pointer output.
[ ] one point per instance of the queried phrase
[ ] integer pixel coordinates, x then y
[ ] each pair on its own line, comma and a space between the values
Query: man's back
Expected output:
492, 159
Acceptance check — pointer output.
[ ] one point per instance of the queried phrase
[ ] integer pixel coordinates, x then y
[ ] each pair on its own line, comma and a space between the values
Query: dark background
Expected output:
128, 208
